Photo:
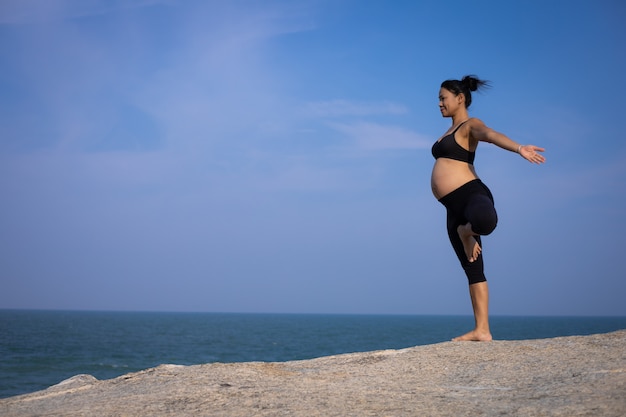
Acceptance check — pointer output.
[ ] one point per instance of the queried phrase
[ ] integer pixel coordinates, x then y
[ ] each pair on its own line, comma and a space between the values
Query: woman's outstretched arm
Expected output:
480, 132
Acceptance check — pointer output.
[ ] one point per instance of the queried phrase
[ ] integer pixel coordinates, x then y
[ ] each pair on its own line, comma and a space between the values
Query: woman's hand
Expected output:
530, 153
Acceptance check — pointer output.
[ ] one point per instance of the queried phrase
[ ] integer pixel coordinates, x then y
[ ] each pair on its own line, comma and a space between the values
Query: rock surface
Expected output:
566, 376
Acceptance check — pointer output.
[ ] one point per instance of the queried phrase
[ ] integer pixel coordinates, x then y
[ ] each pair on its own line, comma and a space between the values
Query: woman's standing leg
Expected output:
479, 217
478, 289
479, 293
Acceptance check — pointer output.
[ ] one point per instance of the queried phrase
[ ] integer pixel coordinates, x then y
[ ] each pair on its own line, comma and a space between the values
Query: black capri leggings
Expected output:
473, 203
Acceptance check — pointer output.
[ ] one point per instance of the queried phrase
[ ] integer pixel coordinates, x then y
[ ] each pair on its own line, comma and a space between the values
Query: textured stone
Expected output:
567, 376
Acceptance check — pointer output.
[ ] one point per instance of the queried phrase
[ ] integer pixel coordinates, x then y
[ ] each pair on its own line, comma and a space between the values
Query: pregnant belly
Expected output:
448, 175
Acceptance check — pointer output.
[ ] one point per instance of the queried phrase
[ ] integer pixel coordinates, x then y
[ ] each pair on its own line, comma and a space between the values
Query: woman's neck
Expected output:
459, 117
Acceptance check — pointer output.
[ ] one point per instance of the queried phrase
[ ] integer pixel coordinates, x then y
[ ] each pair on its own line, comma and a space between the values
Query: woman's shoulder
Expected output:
474, 129
474, 125
474, 121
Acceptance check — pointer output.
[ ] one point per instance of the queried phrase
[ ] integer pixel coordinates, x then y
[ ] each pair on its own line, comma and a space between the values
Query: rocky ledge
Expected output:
565, 376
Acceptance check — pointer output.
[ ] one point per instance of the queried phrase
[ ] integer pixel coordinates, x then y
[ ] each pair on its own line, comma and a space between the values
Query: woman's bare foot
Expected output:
474, 336
470, 244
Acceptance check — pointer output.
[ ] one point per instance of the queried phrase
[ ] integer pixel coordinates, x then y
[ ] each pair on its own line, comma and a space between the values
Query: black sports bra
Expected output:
447, 147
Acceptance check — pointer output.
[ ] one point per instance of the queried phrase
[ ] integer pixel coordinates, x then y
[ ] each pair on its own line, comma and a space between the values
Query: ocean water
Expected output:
41, 348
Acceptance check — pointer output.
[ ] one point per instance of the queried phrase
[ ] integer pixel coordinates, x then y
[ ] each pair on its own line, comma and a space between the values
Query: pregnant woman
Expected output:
470, 207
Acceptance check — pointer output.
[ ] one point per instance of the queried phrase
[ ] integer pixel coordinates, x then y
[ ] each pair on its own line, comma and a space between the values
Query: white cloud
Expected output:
374, 136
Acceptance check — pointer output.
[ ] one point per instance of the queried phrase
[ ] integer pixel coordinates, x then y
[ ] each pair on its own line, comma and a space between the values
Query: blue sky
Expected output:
274, 156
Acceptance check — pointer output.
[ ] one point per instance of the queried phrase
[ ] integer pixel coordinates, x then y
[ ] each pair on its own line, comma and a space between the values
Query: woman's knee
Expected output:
485, 224
483, 218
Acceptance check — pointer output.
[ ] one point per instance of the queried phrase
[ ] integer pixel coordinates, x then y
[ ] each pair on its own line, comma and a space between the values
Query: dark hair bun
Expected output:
472, 82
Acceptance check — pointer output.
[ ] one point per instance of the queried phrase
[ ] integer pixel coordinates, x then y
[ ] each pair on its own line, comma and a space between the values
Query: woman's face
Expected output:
448, 102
